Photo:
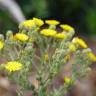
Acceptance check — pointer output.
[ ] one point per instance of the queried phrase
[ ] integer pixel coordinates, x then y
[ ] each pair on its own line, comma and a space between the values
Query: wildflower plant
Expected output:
43, 52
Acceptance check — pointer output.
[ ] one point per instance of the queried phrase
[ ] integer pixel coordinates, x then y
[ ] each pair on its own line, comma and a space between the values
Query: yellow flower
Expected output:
48, 32
52, 22
28, 24
66, 27
13, 66
72, 47
79, 41
67, 57
67, 80
1, 45
92, 56
46, 57
38, 22
21, 37
60, 35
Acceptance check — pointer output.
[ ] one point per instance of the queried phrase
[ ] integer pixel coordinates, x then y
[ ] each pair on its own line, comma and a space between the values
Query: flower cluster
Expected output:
13, 66
43, 51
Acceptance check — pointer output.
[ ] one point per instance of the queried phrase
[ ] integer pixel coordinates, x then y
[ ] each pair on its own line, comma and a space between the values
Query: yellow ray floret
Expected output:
92, 56
1, 44
48, 32
79, 41
66, 27
67, 80
60, 35
13, 66
21, 37
28, 24
52, 22
38, 22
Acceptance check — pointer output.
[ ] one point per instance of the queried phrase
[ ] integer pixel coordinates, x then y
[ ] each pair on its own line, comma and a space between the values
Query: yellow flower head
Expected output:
48, 32
28, 24
13, 66
21, 37
67, 57
1, 45
66, 27
92, 56
72, 47
38, 22
46, 57
79, 41
52, 22
60, 35
67, 80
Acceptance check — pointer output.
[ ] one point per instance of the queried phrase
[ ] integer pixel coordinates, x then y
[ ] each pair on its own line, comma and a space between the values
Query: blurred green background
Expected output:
81, 14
